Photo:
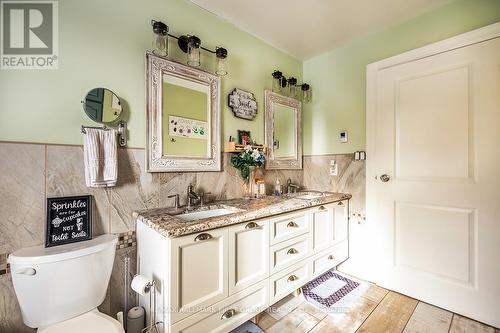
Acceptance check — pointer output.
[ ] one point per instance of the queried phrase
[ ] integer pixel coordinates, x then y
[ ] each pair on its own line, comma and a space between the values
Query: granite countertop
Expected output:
165, 222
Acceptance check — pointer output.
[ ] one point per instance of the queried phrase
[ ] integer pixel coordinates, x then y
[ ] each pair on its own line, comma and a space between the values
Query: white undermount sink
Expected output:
205, 214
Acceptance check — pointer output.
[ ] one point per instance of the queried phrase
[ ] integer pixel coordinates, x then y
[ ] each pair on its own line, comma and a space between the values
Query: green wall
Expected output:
102, 44
338, 77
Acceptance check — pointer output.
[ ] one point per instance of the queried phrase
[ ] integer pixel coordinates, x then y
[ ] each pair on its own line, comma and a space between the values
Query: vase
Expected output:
248, 187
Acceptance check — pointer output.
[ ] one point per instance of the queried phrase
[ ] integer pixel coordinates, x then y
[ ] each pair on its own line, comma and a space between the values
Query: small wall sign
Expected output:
187, 128
69, 220
243, 104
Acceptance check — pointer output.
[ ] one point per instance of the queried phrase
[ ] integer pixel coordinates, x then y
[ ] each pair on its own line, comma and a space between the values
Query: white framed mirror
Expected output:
283, 131
183, 117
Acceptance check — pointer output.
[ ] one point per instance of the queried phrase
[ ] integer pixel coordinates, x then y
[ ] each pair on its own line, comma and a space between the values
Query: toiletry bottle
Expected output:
277, 187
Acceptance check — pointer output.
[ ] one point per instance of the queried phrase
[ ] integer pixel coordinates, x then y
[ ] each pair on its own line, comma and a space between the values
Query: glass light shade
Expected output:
221, 55
292, 87
160, 38
221, 67
283, 84
160, 45
306, 93
277, 75
193, 52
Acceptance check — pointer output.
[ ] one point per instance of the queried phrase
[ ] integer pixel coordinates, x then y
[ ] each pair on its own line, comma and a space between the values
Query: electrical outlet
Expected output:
334, 170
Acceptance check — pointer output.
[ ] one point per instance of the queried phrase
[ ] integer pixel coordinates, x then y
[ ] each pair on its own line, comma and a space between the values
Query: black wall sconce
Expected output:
289, 87
191, 45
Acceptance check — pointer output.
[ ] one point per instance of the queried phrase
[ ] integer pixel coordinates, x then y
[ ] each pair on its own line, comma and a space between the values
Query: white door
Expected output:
248, 254
199, 276
436, 157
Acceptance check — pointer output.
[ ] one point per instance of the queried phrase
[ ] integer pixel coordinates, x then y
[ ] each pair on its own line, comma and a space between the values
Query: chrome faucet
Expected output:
191, 195
290, 187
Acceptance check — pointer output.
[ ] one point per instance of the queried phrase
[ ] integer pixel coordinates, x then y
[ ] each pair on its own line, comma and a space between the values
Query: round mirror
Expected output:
102, 105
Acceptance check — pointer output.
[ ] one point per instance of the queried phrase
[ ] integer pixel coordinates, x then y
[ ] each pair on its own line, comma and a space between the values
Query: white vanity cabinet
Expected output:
215, 280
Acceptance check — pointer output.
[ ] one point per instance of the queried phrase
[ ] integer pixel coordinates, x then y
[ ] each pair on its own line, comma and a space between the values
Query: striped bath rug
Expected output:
333, 292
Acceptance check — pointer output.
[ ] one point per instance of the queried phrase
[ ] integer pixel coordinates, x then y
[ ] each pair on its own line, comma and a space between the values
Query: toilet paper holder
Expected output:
150, 289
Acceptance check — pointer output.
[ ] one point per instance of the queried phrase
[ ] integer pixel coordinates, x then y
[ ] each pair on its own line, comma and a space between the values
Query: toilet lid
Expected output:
93, 321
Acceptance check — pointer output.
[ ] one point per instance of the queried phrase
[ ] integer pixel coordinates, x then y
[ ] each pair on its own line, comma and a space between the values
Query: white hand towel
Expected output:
100, 157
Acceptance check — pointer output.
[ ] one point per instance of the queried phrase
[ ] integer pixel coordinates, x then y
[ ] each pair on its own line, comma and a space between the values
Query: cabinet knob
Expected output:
292, 251
228, 314
385, 178
292, 224
331, 257
251, 225
292, 278
202, 237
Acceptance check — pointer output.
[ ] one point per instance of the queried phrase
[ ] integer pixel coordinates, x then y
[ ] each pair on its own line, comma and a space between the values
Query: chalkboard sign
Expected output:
69, 220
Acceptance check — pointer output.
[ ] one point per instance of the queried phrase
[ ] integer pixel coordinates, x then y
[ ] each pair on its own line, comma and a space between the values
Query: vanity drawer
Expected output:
329, 258
287, 253
285, 282
288, 226
229, 313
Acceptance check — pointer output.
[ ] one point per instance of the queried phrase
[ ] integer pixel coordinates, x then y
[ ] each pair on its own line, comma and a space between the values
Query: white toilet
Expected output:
59, 288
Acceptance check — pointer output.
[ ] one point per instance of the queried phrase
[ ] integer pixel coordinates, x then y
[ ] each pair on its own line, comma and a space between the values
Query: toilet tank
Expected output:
58, 283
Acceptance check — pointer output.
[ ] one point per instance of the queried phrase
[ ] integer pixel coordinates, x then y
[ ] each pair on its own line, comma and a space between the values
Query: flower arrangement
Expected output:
247, 159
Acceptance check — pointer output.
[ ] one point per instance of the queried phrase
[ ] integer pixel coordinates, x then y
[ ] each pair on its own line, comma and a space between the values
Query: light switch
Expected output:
334, 170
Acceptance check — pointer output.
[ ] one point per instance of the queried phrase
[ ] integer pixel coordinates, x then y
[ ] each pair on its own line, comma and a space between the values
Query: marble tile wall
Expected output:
350, 179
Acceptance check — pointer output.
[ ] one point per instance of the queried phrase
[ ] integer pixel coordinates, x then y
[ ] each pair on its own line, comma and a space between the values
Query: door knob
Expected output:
385, 178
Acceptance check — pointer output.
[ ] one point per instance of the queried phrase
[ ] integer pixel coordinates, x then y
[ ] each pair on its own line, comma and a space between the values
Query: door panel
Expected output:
341, 222
200, 274
436, 133
323, 227
422, 231
248, 254
434, 108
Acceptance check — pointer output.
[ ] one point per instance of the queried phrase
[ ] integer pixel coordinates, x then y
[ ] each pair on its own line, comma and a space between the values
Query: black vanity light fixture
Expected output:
189, 44
289, 87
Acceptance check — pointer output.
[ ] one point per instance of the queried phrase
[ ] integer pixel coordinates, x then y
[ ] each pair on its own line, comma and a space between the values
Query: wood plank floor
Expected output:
377, 311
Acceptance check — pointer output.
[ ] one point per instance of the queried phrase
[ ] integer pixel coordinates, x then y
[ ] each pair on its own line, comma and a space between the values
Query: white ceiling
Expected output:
305, 28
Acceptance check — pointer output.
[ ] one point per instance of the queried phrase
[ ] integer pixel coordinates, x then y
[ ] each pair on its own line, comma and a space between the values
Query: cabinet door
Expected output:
199, 272
248, 254
341, 221
323, 226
